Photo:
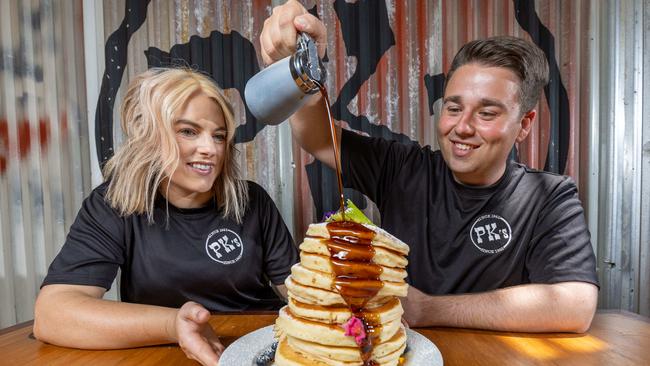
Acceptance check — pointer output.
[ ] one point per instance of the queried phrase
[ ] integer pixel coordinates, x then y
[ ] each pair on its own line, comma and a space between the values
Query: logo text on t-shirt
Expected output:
224, 246
491, 233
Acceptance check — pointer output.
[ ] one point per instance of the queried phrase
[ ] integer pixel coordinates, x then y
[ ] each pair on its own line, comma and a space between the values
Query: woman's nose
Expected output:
206, 144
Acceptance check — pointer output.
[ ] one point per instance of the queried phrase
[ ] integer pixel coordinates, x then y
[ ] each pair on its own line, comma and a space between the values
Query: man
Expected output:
494, 244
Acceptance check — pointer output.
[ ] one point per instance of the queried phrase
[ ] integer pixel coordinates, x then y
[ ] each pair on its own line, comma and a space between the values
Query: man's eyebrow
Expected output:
452, 98
484, 102
487, 102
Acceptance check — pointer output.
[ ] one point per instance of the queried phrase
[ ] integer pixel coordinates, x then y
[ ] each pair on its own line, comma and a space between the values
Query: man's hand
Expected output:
310, 124
412, 305
194, 334
279, 34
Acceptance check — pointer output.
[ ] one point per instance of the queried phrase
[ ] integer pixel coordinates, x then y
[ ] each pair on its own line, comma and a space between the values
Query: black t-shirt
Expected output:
529, 227
197, 255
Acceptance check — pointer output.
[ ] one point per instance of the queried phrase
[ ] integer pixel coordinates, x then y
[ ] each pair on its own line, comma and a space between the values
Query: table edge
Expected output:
16, 327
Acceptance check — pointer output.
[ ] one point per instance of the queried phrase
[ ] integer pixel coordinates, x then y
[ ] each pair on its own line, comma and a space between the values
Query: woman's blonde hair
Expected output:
149, 110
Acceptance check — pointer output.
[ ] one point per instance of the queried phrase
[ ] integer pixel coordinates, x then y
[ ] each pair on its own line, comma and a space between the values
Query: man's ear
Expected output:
526, 124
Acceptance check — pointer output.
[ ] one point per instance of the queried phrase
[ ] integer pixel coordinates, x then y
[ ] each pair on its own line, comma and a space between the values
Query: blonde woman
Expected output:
188, 234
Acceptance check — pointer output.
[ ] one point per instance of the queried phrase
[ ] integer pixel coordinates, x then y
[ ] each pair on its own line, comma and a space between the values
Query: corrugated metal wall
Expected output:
164, 24
386, 61
44, 151
620, 188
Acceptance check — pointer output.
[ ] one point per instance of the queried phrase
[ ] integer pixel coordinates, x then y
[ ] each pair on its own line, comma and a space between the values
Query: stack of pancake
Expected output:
343, 307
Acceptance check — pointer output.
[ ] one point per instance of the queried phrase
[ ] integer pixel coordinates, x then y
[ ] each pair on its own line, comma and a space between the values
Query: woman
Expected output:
188, 235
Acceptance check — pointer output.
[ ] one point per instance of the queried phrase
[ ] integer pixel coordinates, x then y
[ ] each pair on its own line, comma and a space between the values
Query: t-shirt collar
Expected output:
481, 191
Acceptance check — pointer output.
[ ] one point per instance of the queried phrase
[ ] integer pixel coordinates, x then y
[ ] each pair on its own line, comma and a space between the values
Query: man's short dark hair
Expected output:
522, 57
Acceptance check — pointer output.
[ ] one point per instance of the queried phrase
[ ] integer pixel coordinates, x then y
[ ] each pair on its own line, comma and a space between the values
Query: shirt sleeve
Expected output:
372, 165
94, 247
280, 252
561, 246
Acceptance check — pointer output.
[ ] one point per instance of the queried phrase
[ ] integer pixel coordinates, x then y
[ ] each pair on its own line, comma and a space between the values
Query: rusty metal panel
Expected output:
622, 204
644, 257
167, 24
44, 144
386, 60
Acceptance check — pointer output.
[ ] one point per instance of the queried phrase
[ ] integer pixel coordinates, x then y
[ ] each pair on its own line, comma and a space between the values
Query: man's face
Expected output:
480, 122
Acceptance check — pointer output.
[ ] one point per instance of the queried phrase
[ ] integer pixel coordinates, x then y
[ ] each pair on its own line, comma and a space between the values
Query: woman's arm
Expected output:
282, 291
76, 316
560, 307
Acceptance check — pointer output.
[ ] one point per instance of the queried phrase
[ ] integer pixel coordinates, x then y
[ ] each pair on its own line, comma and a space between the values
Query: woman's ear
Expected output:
526, 124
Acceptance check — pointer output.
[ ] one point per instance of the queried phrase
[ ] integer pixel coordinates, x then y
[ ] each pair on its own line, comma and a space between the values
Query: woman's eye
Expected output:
220, 138
186, 132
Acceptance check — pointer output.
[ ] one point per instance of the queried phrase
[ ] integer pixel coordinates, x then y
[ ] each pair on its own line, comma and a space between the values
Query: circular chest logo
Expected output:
224, 246
491, 233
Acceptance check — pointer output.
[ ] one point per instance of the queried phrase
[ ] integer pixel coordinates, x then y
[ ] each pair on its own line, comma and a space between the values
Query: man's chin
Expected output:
463, 172
461, 167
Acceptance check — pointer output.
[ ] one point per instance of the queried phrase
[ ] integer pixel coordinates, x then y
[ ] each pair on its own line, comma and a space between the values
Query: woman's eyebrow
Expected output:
186, 121
198, 126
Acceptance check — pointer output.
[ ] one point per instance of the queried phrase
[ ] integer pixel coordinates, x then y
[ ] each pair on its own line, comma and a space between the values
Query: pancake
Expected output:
312, 295
327, 334
287, 356
385, 350
382, 239
343, 306
318, 296
325, 264
325, 281
291, 353
382, 256
386, 312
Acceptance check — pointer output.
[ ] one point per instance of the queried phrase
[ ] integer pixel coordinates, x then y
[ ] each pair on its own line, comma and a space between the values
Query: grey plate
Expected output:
243, 351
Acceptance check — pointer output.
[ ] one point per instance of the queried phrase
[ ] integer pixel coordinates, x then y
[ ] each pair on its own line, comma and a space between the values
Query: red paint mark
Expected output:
445, 14
24, 138
43, 132
4, 134
63, 125
422, 48
4, 145
401, 50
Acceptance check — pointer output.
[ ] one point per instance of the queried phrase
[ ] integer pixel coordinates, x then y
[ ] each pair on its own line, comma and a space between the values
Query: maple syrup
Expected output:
351, 253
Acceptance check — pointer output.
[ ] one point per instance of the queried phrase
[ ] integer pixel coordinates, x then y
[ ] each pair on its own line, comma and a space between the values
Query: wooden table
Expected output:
615, 338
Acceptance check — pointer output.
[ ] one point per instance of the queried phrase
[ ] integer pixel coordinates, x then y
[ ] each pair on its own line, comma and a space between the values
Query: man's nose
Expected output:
464, 127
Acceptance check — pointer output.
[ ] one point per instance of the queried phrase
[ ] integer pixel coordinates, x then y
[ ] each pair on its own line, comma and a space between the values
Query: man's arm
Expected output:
560, 307
310, 126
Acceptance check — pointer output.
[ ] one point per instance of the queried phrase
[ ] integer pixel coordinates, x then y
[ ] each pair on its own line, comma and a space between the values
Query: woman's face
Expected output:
201, 135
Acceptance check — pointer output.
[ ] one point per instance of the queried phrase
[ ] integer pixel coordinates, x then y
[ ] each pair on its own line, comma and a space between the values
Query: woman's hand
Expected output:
194, 334
279, 34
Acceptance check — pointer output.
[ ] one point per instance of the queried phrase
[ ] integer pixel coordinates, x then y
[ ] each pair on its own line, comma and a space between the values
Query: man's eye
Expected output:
453, 109
487, 115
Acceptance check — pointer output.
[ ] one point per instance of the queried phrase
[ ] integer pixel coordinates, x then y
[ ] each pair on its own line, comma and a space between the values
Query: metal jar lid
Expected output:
306, 67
